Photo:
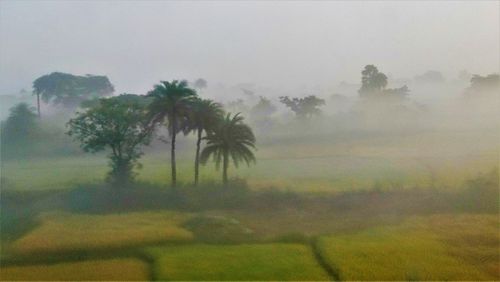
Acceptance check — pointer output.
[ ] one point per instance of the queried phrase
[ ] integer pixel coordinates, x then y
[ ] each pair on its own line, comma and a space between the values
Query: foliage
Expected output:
171, 103
263, 110
218, 229
374, 83
70, 90
372, 80
237, 262
230, 139
303, 107
482, 193
484, 84
20, 131
204, 115
118, 124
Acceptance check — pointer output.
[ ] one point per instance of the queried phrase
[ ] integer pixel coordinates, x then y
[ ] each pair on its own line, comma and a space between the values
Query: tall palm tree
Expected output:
204, 116
231, 138
171, 101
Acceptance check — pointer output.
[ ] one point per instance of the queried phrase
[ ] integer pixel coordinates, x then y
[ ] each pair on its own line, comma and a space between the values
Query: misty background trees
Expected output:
177, 107
70, 90
20, 131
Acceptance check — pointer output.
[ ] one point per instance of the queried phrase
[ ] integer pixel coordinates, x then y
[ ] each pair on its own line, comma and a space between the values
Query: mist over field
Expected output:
249, 140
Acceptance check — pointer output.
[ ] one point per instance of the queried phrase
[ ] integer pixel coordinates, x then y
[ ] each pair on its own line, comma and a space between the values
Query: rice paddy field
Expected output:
340, 210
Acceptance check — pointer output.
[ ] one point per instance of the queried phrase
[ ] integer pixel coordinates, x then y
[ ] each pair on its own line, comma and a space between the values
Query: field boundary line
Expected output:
332, 271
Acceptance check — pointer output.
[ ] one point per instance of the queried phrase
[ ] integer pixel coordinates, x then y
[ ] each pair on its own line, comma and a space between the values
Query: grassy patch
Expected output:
63, 232
96, 270
411, 251
218, 229
237, 262
473, 238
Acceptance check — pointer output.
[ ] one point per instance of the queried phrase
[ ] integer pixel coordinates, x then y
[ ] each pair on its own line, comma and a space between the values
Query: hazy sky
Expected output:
271, 43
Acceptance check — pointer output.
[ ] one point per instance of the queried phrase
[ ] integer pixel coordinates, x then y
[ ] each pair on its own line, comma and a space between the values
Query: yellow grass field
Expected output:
59, 232
420, 249
95, 270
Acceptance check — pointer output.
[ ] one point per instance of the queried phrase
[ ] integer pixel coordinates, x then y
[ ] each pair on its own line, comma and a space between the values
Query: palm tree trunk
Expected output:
172, 151
225, 166
38, 104
197, 157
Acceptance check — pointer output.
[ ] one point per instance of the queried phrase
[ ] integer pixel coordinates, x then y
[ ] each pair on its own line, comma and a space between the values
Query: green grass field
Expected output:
239, 262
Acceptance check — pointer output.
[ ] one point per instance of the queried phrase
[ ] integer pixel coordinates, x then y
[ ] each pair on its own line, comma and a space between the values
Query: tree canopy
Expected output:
374, 85
70, 90
118, 124
230, 139
171, 103
484, 84
19, 131
303, 107
372, 80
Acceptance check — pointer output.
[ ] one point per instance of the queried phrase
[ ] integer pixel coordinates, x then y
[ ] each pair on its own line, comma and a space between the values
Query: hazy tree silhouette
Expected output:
70, 90
19, 131
204, 116
263, 109
372, 80
484, 84
230, 139
200, 83
119, 124
430, 77
303, 107
374, 83
171, 102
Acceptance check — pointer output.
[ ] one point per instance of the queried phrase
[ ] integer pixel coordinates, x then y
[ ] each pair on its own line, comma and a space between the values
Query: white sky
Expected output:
270, 43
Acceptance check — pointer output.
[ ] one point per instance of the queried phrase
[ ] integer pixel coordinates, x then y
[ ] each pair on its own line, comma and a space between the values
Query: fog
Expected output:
279, 45
249, 140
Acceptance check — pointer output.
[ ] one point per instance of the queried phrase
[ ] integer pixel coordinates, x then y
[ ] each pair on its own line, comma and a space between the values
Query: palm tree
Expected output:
204, 116
230, 138
171, 100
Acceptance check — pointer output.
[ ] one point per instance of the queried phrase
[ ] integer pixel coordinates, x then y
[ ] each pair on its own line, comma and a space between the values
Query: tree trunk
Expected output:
38, 104
172, 151
224, 167
197, 157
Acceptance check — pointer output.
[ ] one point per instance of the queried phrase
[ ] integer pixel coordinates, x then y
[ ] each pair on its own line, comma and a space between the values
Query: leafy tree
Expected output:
303, 107
263, 108
484, 84
171, 104
70, 90
20, 130
204, 116
231, 138
372, 80
118, 124
374, 83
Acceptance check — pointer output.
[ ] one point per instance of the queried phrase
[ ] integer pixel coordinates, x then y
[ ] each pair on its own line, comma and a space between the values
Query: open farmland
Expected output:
93, 270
